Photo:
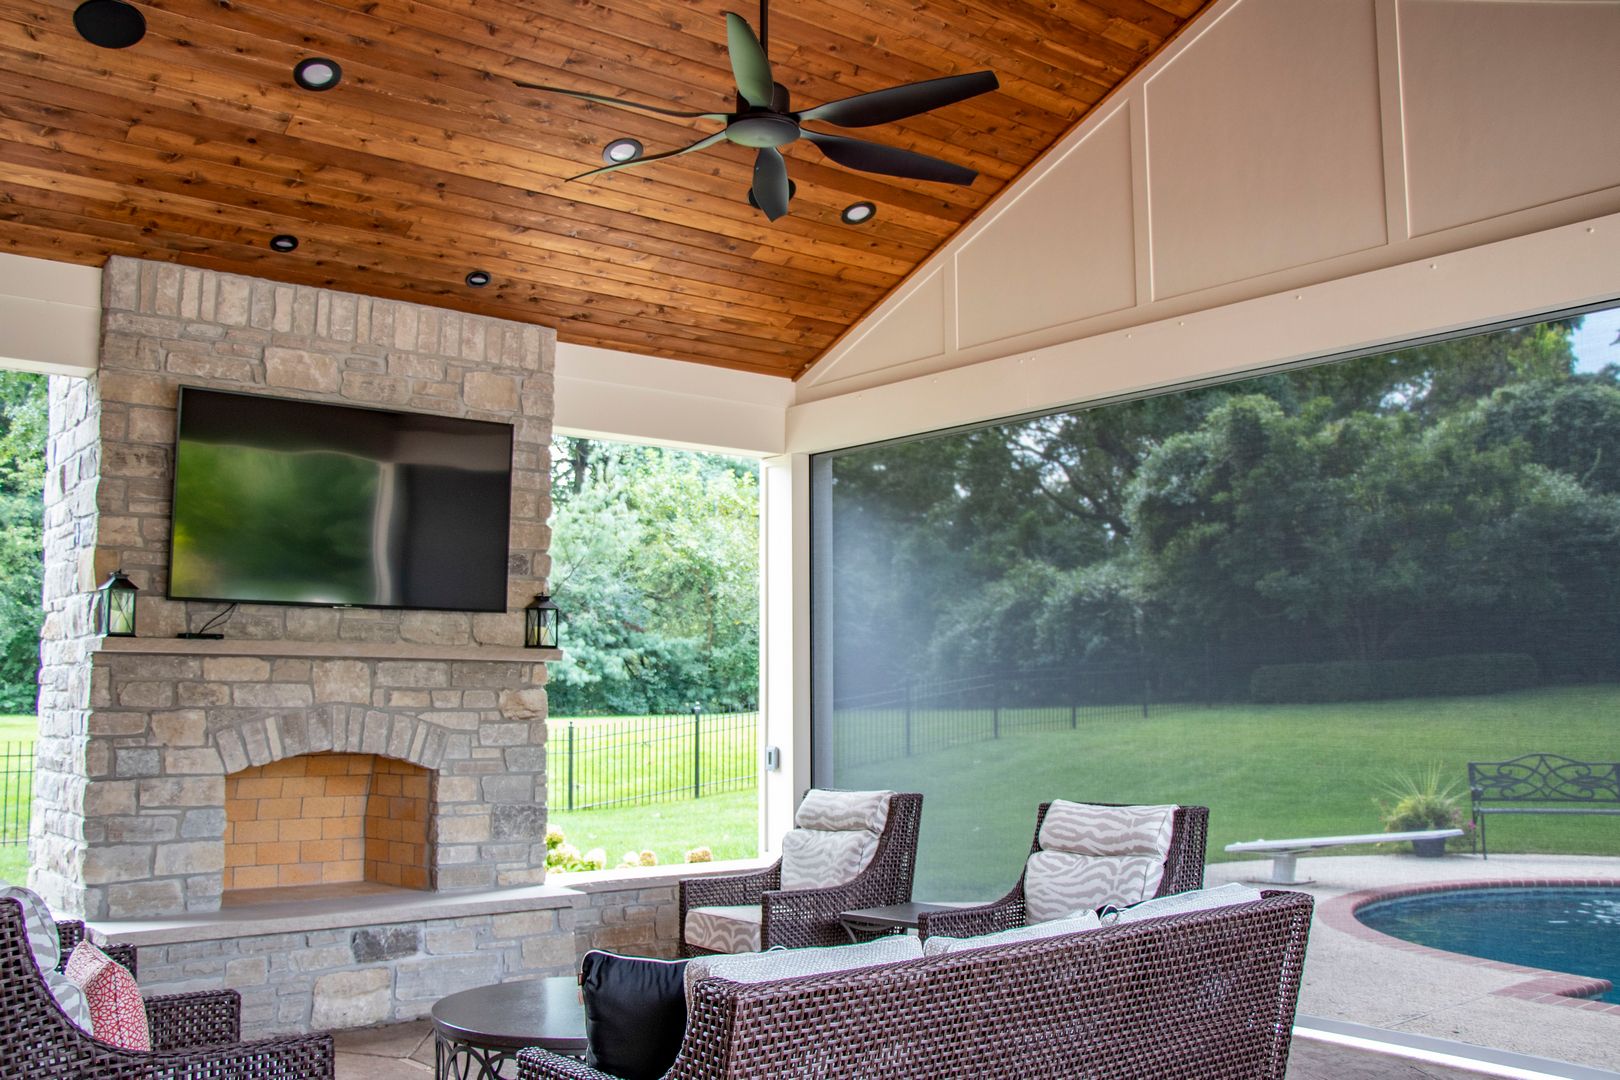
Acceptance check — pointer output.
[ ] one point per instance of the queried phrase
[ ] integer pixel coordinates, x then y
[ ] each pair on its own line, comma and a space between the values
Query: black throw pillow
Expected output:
635, 1013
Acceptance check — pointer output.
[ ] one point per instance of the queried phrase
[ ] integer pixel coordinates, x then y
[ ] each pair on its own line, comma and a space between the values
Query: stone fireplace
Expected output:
172, 770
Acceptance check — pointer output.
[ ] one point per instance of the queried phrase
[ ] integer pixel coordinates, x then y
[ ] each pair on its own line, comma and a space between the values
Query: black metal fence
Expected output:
921, 716
631, 760
16, 791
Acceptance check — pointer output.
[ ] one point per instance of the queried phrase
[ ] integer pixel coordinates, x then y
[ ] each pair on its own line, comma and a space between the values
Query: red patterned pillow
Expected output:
117, 1013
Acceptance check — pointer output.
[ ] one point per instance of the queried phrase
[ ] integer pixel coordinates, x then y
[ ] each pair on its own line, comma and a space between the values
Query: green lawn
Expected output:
14, 857
1264, 771
727, 824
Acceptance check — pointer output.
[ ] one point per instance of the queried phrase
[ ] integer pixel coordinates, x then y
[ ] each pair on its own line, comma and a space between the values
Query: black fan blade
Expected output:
748, 63
771, 182
899, 102
620, 102
889, 160
699, 145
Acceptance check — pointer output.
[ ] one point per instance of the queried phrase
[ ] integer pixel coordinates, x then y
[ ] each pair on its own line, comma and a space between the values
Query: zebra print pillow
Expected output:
836, 837
1094, 855
1089, 829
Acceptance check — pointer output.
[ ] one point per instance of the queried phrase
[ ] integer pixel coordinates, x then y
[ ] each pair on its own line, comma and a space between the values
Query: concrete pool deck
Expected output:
1356, 975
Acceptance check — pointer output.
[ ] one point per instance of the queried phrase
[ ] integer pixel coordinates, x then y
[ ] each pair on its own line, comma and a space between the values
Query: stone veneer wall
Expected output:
355, 976
133, 747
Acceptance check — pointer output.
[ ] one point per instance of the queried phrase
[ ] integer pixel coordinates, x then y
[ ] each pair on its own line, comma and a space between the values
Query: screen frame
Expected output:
174, 481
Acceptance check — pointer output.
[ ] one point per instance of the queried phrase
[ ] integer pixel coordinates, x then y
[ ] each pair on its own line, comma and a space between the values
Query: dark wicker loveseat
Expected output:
1208, 995
806, 917
194, 1036
1183, 870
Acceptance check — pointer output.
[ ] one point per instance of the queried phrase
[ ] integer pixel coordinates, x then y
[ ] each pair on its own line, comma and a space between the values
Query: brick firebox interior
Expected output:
323, 819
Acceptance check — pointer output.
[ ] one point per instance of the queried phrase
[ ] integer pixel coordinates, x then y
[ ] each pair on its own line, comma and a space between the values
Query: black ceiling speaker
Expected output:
112, 24
765, 122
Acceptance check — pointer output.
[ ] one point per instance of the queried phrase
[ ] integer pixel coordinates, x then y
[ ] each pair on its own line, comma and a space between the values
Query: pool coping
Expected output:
1543, 985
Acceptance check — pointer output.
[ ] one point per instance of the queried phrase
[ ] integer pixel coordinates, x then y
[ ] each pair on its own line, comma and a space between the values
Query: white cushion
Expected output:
731, 929
46, 944
1060, 883
1094, 855
790, 963
1182, 903
812, 859
1088, 829
842, 811
836, 837
940, 944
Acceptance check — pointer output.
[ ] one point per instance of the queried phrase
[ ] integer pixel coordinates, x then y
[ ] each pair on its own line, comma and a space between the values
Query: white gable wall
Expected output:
1290, 179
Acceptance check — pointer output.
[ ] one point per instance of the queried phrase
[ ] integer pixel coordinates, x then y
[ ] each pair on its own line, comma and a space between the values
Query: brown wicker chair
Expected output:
1183, 871
1208, 995
71, 932
194, 1036
810, 917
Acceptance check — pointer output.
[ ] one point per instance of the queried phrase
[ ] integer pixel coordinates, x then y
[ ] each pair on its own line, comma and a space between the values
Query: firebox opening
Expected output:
325, 819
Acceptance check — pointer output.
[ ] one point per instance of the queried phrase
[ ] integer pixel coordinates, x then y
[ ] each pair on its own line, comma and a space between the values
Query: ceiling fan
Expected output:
765, 121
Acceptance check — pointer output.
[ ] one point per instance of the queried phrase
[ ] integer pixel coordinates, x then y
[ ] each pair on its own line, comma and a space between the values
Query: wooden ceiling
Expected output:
427, 162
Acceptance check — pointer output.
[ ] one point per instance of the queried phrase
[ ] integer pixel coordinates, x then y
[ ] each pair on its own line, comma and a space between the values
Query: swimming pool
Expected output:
1575, 930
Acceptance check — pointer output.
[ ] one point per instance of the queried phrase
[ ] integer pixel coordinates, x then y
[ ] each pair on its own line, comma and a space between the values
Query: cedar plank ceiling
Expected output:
426, 162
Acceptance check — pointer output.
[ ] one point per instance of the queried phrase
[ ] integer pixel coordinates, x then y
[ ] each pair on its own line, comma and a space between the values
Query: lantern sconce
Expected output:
540, 623
117, 615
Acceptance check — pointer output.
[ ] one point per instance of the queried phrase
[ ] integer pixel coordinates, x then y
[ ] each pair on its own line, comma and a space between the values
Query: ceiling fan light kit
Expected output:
111, 24
621, 150
765, 122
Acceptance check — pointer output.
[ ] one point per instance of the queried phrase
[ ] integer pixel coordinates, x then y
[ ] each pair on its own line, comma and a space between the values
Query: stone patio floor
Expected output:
405, 1052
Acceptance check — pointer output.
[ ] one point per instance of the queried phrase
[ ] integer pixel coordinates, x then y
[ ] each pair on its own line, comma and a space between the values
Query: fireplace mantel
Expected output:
327, 650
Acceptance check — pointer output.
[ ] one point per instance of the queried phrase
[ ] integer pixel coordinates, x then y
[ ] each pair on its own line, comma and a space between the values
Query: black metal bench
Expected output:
1541, 779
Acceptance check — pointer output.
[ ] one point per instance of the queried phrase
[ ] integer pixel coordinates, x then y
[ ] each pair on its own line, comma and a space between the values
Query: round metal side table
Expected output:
478, 1033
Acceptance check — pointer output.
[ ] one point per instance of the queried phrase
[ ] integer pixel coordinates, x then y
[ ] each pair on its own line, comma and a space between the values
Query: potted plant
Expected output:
1424, 801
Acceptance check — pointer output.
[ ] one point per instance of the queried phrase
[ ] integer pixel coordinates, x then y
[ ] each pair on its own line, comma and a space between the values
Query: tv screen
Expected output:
298, 502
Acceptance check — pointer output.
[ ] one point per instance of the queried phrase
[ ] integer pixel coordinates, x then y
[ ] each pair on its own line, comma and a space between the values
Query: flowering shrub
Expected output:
566, 858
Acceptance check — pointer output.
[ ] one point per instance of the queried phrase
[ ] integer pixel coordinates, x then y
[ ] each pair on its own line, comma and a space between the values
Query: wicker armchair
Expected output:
194, 1036
1183, 871
1207, 995
810, 916
71, 932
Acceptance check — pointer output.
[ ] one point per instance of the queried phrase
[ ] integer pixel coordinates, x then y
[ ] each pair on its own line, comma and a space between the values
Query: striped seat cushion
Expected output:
731, 929
835, 837
1094, 855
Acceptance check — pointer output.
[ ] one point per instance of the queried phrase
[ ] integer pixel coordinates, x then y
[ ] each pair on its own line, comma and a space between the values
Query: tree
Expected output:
23, 427
655, 564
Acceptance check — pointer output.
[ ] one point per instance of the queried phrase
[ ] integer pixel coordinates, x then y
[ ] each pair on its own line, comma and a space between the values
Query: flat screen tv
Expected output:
279, 501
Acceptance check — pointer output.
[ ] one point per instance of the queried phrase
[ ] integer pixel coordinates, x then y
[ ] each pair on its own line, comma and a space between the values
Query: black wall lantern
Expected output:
117, 615
540, 623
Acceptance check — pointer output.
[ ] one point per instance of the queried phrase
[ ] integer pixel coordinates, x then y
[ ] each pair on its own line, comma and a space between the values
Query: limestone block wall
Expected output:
134, 745
377, 972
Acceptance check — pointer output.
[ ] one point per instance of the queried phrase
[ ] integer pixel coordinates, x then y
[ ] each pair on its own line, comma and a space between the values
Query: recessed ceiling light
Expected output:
478, 278
619, 151
283, 242
317, 73
793, 189
858, 213
112, 24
